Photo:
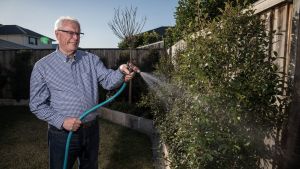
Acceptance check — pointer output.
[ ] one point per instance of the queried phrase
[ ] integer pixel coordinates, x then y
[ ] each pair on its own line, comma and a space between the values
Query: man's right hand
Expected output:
71, 124
125, 70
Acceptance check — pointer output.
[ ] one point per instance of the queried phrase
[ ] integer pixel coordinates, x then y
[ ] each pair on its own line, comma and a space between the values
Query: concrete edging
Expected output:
127, 120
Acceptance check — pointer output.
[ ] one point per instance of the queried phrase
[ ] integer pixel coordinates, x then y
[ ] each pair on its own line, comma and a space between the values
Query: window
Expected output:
32, 41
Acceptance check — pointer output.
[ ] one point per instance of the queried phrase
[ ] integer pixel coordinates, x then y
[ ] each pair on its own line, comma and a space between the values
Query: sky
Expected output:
93, 15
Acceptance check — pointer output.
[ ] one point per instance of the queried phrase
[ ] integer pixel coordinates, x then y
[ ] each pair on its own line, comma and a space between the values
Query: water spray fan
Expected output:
132, 68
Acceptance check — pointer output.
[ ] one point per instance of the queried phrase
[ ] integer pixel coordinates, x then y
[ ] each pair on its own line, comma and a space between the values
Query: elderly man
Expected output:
63, 85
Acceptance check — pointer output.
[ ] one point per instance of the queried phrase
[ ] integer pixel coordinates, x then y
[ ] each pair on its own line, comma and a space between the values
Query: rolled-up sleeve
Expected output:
40, 99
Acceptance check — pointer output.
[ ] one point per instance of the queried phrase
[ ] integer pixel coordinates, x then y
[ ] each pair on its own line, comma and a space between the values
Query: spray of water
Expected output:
160, 87
166, 92
152, 81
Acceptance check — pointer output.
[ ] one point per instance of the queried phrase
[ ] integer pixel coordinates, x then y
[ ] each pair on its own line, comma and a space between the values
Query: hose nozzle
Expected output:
133, 68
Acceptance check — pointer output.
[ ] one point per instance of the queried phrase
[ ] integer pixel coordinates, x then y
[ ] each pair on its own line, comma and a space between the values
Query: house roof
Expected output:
18, 30
160, 30
10, 45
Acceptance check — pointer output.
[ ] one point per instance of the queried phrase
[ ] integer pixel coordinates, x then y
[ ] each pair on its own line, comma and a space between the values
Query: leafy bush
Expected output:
140, 40
188, 13
224, 99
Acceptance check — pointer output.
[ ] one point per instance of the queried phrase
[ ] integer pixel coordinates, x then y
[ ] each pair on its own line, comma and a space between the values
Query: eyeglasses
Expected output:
71, 33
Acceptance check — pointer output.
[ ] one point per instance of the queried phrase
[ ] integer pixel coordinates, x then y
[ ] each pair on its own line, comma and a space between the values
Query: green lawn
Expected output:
23, 143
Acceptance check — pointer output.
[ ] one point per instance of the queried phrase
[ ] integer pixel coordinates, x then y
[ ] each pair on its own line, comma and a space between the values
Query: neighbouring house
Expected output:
17, 37
10, 45
161, 31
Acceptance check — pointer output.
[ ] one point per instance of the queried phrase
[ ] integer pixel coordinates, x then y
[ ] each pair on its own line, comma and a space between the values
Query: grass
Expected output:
23, 143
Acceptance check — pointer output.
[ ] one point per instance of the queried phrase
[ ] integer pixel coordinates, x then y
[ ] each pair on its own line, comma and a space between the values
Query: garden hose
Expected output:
83, 116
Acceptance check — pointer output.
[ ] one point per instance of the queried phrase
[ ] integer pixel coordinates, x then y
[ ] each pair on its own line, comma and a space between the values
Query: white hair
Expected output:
60, 20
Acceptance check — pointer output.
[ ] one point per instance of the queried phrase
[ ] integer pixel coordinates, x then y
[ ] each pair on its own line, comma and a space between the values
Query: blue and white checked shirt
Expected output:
62, 87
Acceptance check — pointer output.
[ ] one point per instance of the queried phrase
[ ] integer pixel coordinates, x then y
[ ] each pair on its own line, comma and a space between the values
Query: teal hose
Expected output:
84, 115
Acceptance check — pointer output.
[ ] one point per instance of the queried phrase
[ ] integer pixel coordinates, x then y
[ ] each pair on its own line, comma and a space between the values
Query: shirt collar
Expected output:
63, 57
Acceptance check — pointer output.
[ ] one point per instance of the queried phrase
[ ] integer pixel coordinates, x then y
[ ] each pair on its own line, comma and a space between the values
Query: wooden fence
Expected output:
278, 16
283, 16
22, 61
110, 57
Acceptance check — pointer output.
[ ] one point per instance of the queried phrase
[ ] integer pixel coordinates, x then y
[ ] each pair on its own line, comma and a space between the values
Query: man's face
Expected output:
68, 37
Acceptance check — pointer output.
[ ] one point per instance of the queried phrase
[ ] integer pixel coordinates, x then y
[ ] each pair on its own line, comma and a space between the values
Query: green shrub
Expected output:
139, 40
188, 13
224, 96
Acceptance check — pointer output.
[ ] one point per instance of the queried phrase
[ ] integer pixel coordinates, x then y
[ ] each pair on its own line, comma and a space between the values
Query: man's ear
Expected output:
56, 35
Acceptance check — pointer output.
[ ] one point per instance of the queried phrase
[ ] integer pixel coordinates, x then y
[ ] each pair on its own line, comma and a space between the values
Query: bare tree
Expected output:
125, 25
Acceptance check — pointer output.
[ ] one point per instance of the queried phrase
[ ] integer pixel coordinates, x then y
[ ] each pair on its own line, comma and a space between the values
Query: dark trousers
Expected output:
84, 146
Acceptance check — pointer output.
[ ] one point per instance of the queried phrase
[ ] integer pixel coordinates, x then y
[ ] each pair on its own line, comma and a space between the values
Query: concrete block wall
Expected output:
127, 120
146, 126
